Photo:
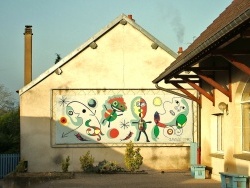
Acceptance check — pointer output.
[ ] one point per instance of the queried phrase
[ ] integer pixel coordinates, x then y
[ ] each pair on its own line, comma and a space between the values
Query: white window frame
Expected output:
245, 117
243, 127
217, 138
220, 137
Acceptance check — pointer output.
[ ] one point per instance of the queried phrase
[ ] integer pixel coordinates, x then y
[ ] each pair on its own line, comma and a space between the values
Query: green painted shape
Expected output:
156, 131
181, 121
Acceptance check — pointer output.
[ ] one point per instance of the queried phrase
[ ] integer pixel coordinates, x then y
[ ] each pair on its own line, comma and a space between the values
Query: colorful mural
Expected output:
120, 118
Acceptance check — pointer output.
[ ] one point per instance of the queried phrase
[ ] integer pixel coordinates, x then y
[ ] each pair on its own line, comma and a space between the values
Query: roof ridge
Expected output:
95, 37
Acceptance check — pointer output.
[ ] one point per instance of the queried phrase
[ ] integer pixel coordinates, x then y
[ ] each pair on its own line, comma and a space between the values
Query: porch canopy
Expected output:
225, 43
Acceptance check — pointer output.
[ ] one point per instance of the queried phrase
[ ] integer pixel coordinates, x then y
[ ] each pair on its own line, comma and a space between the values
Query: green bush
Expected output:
133, 158
108, 167
87, 162
9, 130
65, 164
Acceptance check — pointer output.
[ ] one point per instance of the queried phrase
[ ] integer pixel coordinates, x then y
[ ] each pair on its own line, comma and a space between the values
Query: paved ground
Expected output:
150, 180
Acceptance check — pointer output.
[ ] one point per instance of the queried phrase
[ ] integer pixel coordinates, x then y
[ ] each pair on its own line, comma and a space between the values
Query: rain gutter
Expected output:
171, 91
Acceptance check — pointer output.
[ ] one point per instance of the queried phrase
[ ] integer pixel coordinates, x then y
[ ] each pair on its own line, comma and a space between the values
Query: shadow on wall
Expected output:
229, 161
43, 155
207, 150
231, 166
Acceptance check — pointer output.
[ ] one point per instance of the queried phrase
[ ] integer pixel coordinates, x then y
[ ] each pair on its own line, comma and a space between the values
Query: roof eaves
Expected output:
184, 58
71, 55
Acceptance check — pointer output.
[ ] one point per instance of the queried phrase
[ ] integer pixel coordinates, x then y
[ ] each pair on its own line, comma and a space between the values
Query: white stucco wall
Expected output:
123, 59
224, 162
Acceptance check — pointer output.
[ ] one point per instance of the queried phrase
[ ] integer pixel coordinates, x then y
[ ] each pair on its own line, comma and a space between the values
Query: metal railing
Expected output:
8, 163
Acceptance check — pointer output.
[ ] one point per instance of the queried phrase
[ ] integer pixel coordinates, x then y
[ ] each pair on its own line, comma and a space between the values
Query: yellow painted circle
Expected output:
157, 101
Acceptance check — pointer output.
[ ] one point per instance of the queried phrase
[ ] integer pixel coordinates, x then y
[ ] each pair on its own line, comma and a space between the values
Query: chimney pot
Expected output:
180, 51
28, 29
130, 16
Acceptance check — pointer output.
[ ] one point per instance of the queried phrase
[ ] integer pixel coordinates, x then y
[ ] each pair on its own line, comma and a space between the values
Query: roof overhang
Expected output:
212, 53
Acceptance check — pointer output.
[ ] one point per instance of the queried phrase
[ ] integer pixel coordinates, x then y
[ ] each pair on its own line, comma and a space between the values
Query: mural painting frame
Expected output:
71, 99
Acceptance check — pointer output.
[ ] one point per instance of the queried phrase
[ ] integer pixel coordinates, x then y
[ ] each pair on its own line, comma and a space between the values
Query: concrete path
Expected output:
150, 180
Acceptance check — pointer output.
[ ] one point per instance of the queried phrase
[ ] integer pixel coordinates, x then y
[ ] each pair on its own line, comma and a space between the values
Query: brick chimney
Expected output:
28, 54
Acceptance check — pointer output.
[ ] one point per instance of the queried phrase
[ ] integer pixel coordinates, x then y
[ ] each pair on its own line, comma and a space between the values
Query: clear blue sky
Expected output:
61, 26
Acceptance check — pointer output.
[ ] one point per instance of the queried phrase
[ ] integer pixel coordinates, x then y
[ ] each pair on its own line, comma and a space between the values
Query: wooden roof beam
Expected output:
187, 76
180, 81
199, 89
190, 95
215, 84
246, 33
208, 69
244, 68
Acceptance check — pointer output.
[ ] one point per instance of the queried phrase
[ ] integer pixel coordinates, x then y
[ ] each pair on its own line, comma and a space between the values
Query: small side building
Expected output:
217, 65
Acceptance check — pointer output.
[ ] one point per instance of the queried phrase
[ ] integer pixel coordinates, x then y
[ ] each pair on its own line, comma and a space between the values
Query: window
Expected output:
246, 126
246, 118
220, 147
217, 131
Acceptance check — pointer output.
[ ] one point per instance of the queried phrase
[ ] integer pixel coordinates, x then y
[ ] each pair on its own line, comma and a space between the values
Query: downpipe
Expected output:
199, 129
